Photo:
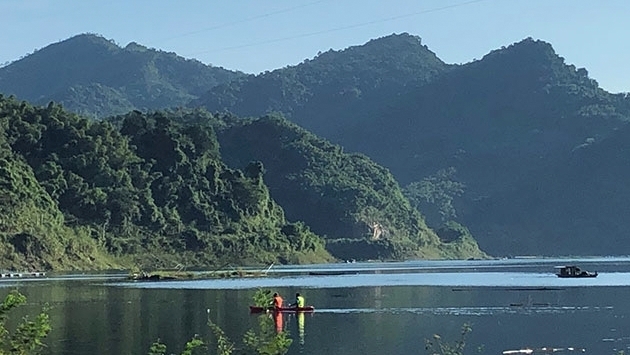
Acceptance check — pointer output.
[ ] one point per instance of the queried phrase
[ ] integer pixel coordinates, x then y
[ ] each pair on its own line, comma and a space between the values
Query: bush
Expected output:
28, 335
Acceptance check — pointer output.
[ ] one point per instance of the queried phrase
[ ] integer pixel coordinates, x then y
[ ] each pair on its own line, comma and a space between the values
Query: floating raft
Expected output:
18, 275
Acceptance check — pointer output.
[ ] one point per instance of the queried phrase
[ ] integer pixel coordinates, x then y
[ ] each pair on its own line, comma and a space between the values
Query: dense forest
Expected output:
352, 201
519, 148
84, 194
151, 190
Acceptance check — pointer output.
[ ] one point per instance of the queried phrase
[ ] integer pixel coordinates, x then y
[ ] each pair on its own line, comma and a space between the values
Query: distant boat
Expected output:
569, 271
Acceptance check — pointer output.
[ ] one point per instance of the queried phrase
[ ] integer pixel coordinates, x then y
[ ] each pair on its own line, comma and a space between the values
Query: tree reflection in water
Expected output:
270, 337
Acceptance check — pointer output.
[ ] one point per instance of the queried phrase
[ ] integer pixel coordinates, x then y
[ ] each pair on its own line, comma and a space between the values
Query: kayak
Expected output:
257, 309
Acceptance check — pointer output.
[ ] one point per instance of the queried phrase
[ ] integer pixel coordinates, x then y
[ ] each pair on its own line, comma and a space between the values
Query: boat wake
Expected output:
471, 311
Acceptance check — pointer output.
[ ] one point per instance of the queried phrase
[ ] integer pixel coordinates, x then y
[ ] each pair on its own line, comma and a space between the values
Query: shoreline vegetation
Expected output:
192, 275
222, 273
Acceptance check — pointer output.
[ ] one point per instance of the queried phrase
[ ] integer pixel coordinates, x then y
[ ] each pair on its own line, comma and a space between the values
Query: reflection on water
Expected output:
281, 325
278, 320
367, 309
300, 320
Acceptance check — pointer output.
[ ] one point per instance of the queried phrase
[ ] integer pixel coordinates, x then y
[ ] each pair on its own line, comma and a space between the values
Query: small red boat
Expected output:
257, 309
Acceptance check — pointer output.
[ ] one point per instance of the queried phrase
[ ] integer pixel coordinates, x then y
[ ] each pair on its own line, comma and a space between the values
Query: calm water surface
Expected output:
361, 308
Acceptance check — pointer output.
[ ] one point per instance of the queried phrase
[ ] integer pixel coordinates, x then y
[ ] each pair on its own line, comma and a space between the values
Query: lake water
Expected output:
361, 308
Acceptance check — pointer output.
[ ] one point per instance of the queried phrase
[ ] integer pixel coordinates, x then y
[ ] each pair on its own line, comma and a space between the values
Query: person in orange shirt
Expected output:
278, 317
277, 301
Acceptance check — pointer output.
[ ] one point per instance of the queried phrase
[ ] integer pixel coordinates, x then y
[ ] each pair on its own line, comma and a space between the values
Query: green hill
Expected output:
80, 193
91, 75
355, 203
147, 190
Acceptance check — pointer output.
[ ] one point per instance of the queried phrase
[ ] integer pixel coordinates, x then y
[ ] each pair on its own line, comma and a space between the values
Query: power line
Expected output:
363, 24
248, 19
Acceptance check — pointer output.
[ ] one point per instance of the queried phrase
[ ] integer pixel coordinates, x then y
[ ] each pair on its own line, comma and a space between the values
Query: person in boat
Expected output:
300, 302
277, 301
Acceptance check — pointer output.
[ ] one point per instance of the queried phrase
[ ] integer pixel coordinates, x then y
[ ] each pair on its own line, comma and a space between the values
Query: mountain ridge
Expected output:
479, 143
146, 78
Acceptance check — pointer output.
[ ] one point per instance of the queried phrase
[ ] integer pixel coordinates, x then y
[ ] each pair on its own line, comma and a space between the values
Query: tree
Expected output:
437, 346
265, 341
28, 335
436, 194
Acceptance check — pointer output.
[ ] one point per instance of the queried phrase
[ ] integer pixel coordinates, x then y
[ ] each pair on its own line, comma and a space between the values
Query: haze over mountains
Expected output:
520, 147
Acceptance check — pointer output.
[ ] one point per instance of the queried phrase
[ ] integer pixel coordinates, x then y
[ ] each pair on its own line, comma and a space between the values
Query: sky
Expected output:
254, 36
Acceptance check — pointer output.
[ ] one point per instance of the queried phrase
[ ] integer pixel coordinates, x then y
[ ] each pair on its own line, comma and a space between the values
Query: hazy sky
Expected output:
258, 35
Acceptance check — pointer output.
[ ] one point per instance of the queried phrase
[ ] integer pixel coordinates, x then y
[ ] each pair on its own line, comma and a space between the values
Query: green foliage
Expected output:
267, 341
436, 193
262, 297
437, 346
158, 348
341, 196
224, 345
141, 187
33, 232
28, 336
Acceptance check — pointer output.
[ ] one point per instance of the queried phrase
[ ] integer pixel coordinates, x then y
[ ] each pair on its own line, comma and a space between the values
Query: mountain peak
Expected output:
531, 60
401, 47
85, 40
403, 38
135, 47
527, 47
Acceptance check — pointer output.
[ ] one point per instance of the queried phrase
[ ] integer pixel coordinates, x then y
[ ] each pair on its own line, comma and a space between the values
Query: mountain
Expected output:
348, 82
354, 203
149, 192
91, 75
508, 125
514, 146
475, 143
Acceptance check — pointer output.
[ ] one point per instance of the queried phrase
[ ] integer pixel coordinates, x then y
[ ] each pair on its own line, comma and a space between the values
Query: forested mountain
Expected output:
312, 93
478, 143
519, 146
356, 204
509, 126
151, 189
91, 75
78, 193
